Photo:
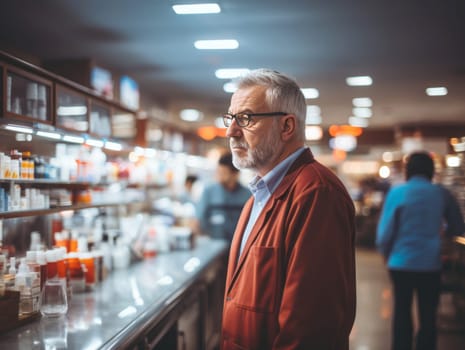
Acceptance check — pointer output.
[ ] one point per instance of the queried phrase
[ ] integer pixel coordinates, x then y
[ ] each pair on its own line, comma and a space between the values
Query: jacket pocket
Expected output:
257, 286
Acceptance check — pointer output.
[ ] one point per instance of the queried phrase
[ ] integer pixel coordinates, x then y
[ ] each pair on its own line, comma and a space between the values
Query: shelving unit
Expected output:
35, 101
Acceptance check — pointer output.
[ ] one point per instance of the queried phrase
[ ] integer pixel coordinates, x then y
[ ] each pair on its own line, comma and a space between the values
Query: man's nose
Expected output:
233, 130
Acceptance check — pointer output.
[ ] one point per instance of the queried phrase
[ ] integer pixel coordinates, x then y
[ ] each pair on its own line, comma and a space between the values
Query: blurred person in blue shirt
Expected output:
415, 217
187, 196
221, 202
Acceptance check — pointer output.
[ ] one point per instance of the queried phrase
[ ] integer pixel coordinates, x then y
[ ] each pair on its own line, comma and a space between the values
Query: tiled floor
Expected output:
372, 329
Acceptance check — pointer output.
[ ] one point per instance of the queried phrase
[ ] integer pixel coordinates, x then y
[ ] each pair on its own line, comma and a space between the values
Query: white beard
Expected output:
269, 149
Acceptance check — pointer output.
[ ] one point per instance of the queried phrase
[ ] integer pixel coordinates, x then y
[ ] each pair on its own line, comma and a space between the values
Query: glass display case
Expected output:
123, 124
28, 96
71, 110
100, 121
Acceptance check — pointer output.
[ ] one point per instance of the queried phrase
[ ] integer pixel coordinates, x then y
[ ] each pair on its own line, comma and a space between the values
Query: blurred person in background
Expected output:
409, 236
291, 272
187, 196
220, 203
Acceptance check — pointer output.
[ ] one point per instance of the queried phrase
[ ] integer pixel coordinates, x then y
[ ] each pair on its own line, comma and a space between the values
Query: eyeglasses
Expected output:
243, 119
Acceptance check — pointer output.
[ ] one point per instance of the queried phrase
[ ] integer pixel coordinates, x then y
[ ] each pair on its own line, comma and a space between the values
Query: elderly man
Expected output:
291, 271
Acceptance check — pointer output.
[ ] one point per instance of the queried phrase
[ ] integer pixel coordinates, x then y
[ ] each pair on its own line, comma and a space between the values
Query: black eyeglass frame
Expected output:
247, 117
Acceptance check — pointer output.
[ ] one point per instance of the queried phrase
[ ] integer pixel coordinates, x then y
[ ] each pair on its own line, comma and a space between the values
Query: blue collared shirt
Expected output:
411, 222
218, 209
263, 187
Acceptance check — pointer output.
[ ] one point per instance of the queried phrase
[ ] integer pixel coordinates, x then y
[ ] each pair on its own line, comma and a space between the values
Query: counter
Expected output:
139, 307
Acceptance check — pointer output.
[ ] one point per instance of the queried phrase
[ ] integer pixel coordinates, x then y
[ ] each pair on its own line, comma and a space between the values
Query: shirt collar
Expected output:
273, 178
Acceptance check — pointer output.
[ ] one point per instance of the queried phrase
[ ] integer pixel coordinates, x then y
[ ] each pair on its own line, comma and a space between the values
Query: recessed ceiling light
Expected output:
230, 73
362, 112
313, 133
436, 91
196, 9
190, 115
230, 87
344, 142
313, 115
357, 121
224, 44
310, 93
313, 119
362, 102
363, 80
219, 122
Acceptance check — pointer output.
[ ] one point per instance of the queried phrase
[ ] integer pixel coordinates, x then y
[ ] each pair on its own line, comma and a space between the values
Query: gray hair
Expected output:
282, 94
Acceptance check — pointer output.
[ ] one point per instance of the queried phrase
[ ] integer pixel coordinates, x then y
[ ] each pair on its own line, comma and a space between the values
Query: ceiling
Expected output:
405, 46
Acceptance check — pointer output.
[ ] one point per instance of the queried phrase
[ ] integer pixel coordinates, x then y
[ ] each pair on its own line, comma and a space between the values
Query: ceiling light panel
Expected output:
223, 44
362, 102
362, 112
359, 122
363, 80
190, 115
436, 91
230, 73
230, 87
313, 133
313, 116
310, 93
196, 9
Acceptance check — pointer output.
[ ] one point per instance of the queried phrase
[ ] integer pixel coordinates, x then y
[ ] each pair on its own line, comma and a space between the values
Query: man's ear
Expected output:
288, 127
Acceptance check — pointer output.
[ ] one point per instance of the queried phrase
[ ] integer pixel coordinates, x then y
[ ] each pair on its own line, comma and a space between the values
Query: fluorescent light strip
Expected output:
230, 73
225, 44
18, 128
196, 9
310, 93
363, 80
73, 139
113, 146
94, 143
436, 91
49, 135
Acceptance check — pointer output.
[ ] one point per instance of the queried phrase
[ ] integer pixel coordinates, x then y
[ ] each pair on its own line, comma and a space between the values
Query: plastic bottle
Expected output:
52, 266
35, 241
28, 285
12, 269
33, 265
41, 260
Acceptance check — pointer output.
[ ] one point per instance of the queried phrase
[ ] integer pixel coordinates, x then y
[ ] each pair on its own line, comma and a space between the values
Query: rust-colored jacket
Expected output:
293, 287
